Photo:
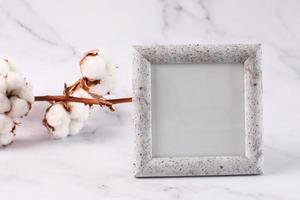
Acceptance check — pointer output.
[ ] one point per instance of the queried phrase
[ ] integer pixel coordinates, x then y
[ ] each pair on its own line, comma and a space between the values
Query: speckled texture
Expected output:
247, 54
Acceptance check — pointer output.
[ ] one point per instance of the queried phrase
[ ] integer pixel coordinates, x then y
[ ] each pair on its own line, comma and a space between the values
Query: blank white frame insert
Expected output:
197, 110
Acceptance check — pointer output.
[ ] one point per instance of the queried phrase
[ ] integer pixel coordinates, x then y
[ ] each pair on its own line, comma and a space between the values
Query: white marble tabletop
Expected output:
47, 39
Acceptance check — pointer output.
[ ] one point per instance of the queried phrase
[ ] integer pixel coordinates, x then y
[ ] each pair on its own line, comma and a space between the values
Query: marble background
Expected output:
47, 39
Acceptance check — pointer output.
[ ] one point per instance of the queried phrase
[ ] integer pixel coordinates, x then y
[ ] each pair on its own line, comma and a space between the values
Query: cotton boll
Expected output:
112, 83
19, 107
7, 124
2, 121
3, 85
4, 66
81, 93
111, 77
110, 68
75, 126
6, 138
13, 66
99, 89
109, 81
26, 93
15, 81
16, 97
61, 131
93, 67
57, 115
79, 111
4, 103
105, 86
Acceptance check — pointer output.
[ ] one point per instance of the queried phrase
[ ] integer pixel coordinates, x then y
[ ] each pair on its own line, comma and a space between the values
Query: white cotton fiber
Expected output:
6, 138
79, 111
106, 85
4, 103
93, 67
63, 121
75, 126
4, 67
26, 93
57, 115
3, 85
16, 98
110, 68
13, 67
6, 124
96, 66
61, 131
81, 93
15, 81
19, 107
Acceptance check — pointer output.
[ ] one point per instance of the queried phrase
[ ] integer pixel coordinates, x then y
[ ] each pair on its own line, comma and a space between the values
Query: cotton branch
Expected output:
94, 101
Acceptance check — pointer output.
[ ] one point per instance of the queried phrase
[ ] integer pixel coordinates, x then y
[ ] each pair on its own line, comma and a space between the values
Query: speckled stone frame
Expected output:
247, 54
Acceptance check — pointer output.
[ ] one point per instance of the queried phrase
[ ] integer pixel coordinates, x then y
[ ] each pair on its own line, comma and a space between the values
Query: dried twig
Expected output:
94, 101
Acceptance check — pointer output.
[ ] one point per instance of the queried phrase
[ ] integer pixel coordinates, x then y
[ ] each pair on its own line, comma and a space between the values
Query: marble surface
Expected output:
47, 39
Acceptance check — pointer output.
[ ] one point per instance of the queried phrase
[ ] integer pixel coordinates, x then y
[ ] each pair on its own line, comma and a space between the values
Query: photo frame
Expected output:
228, 73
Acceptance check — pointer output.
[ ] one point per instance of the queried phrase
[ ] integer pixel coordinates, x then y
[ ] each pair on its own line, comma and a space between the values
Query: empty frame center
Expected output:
197, 110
